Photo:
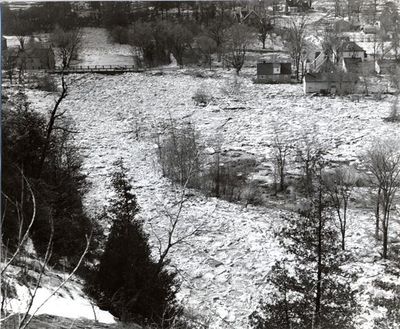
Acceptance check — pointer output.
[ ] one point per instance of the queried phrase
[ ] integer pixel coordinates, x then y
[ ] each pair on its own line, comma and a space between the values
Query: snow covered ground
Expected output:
70, 301
103, 52
223, 267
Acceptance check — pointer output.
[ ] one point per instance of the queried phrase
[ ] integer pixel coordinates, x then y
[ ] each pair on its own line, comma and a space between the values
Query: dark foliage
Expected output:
58, 192
39, 17
151, 40
311, 290
129, 283
120, 34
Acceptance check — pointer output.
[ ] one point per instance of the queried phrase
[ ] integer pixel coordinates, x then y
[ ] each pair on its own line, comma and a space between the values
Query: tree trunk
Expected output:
217, 183
377, 214
344, 225
318, 296
385, 227
50, 127
385, 242
282, 178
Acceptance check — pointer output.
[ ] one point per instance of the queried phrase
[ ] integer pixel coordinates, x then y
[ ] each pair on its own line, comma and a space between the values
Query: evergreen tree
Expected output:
310, 289
129, 283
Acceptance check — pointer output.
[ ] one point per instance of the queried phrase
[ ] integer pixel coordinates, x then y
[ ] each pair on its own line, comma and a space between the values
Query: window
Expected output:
277, 68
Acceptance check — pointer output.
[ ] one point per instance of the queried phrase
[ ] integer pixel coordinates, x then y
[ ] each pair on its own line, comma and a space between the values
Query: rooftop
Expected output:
349, 46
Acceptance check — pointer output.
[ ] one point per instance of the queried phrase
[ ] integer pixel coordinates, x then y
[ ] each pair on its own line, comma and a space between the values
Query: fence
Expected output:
105, 69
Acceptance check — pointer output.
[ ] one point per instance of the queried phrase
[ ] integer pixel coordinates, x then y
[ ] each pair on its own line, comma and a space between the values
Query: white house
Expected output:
349, 49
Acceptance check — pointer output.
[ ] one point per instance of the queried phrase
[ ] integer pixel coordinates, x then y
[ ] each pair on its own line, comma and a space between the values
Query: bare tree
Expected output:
67, 43
217, 31
383, 163
238, 38
331, 41
207, 46
141, 39
174, 234
264, 27
310, 157
179, 39
281, 151
339, 186
180, 154
9, 64
294, 37
54, 115
354, 9
390, 21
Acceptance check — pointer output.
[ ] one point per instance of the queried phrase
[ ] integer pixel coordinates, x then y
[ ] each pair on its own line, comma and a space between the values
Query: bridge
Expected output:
103, 69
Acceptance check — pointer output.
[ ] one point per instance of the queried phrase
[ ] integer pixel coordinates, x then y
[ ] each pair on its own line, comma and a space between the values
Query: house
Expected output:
274, 71
297, 5
35, 56
329, 83
349, 49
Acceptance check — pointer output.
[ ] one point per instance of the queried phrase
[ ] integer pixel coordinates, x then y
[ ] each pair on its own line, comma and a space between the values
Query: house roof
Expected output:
370, 29
327, 77
350, 46
31, 52
38, 52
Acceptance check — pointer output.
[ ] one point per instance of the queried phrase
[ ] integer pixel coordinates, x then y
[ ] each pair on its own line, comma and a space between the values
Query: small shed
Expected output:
274, 72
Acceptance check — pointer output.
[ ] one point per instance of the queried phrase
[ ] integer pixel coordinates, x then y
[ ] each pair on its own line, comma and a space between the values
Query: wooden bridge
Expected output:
103, 69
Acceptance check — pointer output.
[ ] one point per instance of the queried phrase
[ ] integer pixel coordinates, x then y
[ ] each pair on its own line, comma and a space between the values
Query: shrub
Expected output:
202, 96
183, 160
120, 34
46, 83
233, 86
394, 112
180, 155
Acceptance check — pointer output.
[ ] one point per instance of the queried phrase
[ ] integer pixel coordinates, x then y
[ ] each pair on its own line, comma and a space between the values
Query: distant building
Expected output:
274, 72
329, 83
35, 56
349, 49
293, 6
